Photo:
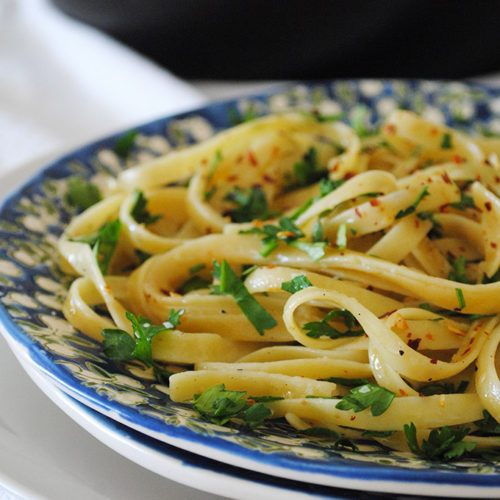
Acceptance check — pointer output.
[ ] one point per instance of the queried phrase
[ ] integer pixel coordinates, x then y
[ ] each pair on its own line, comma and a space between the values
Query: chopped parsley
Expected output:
488, 424
296, 284
321, 118
138, 209
348, 382
124, 143
215, 163
443, 444
81, 193
103, 243
119, 345
194, 283
446, 143
460, 297
307, 171
196, 268
458, 272
444, 388
466, 201
379, 434
341, 241
317, 329
365, 396
251, 204
326, 186
219, 406
411, 209
288, 232
230, 284
359, 122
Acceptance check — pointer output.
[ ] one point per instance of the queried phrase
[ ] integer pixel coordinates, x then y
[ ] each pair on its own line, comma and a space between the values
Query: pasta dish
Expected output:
294, 266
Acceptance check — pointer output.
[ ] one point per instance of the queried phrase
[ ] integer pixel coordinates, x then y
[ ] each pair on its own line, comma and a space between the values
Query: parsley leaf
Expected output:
194, 283
341, 241
380, 434
466, 201
458, 272
288, 232
358, 122
124, 144
219, 405
365, 396
81, 193
488, 424
307, 170
252, 204
138, 209
446, 143
326, 186
444, 388
198, 267
103, 243
443, 444
213, 166
317, 329
119, 345
409, 210
230, 284
460, 297
296, 284
349, 382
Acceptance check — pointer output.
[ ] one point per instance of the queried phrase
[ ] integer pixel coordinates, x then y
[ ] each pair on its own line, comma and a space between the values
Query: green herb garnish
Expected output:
365, 396
409, 210
124, 144
296, 284
81, 193
103, 243
341, 241
443, 444
460, 297
230, 284
138, 209
119, 345
213, 166
458, 272
444, 388
218, 406
323, 328
252, 204
446, 143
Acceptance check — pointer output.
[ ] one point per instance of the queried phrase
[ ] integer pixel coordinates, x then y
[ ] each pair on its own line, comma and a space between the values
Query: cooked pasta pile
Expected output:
304, 262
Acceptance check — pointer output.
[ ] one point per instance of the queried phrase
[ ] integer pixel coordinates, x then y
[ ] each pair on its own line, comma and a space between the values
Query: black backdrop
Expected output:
271, 39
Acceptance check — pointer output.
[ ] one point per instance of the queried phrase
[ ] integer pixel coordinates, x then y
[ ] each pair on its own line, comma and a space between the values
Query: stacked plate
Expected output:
135, 416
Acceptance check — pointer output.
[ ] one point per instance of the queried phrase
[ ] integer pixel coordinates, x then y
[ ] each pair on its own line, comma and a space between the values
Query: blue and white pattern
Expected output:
33, 287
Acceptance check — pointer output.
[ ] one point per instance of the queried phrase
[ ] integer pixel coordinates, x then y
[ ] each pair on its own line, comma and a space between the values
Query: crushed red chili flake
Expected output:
353, 417
268, 179
497, 179
388, 313
434, 131
358, 213
493, 244
403, 393
334, 167
446, 178
349, 175
488, 206
457, 159
429, 336
252, 158
414, 343
232, 178
434, 361
375, 202
390, 128
466, 351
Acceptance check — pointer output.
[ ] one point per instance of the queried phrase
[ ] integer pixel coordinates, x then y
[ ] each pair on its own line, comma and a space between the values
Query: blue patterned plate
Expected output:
32, 289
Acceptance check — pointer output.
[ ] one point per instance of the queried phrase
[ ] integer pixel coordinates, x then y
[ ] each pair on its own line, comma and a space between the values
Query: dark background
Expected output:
224, 39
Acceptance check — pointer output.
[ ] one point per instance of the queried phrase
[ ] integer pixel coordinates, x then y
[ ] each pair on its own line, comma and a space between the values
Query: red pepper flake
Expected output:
353, 417
497, 179
434, 361
349, 175
358, 213
252, 158
271, 266
493, 244
457, 159
417, 223
446, 178
388, 313
250, 402
444, 209
414, 343
334, 167
488, 206
403, 393
268, 179
232, 178
409, 335
429, 336
434, 131
375, 202
466, 351
390, 128
208, 230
